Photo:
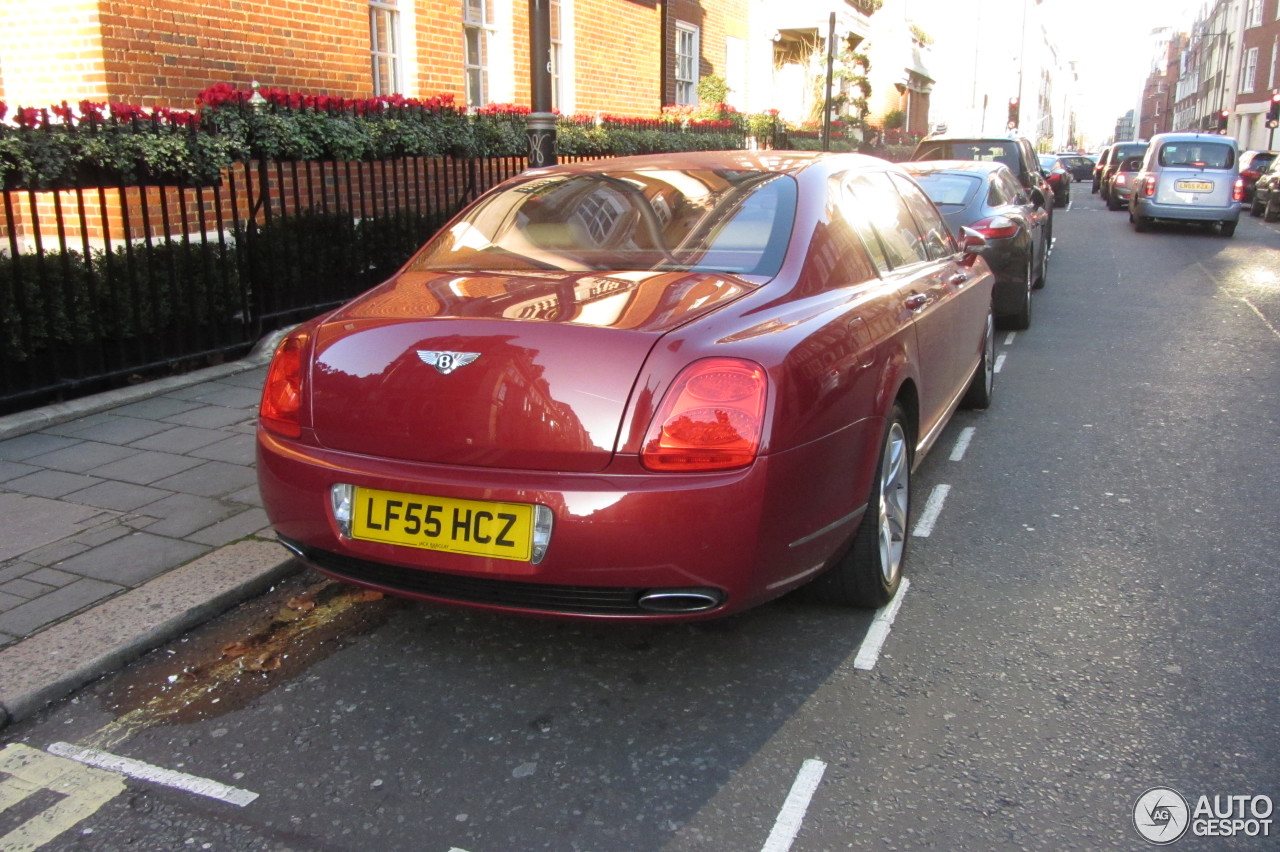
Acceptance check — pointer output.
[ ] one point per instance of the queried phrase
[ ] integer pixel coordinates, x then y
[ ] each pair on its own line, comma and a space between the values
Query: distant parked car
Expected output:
654, 388
1016, 152
986, 198
1252, 165
1188, 177
1266, 193
1122, 181
1059, 178
1118, 153
1098, 165
1080, 166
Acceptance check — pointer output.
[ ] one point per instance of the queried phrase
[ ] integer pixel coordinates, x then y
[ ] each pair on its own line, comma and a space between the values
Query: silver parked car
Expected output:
1188, 177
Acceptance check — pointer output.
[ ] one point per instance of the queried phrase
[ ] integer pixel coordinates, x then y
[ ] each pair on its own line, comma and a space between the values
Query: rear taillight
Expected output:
1121, 179
1149, 186
711, 418
281, 408
997, 227
1237, 191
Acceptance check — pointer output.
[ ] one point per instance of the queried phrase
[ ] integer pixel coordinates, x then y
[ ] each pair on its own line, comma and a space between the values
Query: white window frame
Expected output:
686, 69
385, 15
482, 24
557, 54
1253, 13
1249, 71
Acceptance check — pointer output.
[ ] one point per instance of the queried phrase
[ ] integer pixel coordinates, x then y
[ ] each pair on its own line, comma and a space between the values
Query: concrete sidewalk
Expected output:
126, 519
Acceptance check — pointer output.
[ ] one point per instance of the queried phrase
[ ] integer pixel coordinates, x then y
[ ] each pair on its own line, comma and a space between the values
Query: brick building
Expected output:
1259, 74
618, 56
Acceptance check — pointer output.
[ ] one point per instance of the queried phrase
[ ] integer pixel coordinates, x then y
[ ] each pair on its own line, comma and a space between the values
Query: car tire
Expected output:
1141, 224
1255, 207
869, 574
1062, 200
1227, 229
1021, 318
1271, 211
1113, 203
981, 387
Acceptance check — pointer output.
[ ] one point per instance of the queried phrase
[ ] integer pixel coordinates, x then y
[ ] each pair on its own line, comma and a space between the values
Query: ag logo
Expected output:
447, 362
1161, 815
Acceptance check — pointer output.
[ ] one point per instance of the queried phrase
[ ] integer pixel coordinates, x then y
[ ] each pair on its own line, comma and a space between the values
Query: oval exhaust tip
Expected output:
292, 547
681, 600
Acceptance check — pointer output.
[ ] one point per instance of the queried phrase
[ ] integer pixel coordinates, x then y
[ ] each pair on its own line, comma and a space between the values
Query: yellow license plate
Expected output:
1194, 186
473, 527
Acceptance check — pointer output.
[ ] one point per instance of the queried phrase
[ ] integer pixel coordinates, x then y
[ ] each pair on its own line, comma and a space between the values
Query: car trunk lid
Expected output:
530, 371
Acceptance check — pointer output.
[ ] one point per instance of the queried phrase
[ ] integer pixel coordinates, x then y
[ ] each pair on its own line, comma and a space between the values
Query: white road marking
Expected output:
962, 443
1261, 316
83, 790
1008, 341
154, 774
932, 508
787, 826
999, 362
878, 633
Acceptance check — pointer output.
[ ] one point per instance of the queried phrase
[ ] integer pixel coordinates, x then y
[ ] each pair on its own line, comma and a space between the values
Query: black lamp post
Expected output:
542, 122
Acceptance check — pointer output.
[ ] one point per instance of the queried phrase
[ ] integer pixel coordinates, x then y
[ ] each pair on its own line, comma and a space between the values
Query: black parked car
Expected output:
1059, 177
988, 199
1252, 165
1080, 166
1016, 152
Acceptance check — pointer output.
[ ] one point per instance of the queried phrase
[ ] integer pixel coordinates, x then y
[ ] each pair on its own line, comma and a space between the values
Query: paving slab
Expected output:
32, 522
133, 559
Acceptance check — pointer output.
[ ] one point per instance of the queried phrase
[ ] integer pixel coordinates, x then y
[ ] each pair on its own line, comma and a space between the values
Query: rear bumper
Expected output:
1148, 209
620, 541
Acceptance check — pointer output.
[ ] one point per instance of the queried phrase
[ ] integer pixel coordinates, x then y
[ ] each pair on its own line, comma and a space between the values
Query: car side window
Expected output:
836, 256
1013, 191
937, 240
997, 195
872, 198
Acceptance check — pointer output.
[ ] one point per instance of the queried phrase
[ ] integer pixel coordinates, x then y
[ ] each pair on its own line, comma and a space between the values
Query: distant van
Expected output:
1188, 177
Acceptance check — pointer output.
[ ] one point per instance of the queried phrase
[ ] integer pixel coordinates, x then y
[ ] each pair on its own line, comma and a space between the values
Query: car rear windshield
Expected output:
1198, 155
681, 220
997, 151
949, 190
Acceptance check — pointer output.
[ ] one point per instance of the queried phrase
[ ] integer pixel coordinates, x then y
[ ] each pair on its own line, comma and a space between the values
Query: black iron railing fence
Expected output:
104, 285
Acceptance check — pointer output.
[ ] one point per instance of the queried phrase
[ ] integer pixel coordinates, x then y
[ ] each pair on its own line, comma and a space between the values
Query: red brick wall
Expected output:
45, 64
617, 56
440, 50
165, 51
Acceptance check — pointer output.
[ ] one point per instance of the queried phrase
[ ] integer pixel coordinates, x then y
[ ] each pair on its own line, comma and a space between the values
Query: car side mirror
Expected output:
972, 244
1037, 197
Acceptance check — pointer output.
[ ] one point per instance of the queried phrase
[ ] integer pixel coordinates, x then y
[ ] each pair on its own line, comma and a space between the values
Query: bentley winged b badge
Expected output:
447, 362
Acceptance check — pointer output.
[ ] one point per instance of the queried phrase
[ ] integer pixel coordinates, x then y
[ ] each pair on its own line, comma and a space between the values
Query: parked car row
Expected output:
668, 387
998, 188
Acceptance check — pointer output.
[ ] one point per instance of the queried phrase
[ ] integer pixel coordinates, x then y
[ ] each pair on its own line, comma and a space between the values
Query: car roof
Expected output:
780, 162
976, 167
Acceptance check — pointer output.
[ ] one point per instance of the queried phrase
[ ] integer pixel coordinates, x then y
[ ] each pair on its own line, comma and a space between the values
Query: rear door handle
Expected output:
959, 278
916, 302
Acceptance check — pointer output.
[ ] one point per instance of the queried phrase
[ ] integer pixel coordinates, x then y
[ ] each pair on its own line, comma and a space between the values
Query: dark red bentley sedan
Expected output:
667, 387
